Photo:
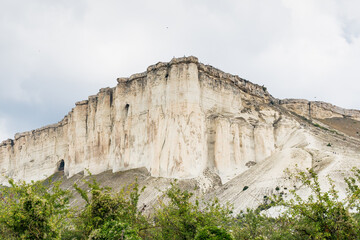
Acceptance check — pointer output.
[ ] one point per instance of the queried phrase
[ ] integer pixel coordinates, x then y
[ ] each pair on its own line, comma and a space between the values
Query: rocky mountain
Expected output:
217, 132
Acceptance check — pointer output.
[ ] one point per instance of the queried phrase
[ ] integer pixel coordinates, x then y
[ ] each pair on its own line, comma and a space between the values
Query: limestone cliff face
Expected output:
177, 120
318, 110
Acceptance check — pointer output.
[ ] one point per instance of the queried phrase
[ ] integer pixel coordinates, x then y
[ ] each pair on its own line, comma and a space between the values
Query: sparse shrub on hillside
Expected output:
321, 127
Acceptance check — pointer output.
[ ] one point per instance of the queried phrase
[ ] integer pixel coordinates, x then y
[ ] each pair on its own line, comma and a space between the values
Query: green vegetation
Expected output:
42, 211
323, 215
109, 215
180, 218
33, 211
317, 125
326, 129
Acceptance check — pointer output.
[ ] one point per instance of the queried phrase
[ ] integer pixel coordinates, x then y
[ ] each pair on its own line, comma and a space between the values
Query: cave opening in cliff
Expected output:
61, 166
127, 109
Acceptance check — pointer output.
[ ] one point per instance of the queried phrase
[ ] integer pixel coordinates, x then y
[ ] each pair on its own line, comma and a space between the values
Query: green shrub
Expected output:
323, 215
114, 230
33, 211
252, 224
180, 218
104, 208
41, 211
212, 233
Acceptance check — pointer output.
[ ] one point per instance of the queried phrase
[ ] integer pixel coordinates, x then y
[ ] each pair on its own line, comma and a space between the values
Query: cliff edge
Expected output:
183, 119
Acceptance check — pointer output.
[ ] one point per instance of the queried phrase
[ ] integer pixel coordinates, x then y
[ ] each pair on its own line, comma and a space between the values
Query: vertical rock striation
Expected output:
177, 119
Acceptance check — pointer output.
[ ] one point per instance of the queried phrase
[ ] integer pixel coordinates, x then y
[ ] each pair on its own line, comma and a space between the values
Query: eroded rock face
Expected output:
177, 120
318, 109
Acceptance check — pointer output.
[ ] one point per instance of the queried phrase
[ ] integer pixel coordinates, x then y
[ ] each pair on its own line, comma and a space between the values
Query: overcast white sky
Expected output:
56, 52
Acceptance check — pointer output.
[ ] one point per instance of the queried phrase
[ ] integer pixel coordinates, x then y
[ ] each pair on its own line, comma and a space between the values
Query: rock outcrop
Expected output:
318, 109
180, 119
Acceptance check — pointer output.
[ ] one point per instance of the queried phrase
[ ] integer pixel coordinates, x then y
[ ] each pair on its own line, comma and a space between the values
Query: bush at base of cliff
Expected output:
105, 210
181, 218
33, 211
323, 215
212, 233
41, 211
252, 224
114, 230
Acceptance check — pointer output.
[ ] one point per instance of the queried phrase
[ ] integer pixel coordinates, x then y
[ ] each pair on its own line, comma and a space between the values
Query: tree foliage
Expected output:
39, 210
322, 215
105, 211
181, 218
114, 230
33, 211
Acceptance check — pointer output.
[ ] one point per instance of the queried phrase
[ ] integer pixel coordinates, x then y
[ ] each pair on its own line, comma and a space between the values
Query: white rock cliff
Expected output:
177, 120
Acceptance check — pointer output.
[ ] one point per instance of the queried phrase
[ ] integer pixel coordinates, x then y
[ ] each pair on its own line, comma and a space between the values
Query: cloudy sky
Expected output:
56, 52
